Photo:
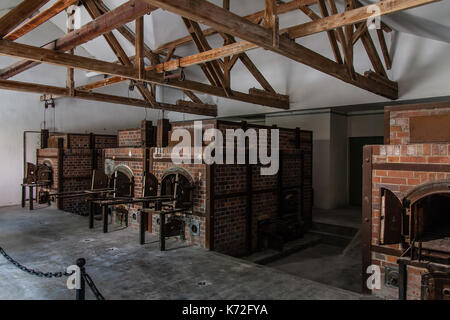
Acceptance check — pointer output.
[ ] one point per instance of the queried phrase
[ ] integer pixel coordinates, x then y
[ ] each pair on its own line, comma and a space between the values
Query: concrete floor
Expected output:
336, 261
347, 216
49, 240
325, 264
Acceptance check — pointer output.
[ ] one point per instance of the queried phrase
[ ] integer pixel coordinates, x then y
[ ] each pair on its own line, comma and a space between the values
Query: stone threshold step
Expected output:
332, 238
334, 229
270, 255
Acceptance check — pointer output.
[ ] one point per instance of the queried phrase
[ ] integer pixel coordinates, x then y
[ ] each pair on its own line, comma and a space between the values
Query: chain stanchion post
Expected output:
144, 218
31, 196
91, 214
84, 277
105, 218
162, 222
24, 195
81, 293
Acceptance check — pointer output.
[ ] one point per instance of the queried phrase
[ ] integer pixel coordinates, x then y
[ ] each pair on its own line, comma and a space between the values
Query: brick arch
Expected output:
179, 170
426, 189
123, 181
184, 188
126, 170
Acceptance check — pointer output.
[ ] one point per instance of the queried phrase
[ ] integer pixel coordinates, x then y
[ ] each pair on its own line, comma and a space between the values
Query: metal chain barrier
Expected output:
32, 271
80, 293
93, 287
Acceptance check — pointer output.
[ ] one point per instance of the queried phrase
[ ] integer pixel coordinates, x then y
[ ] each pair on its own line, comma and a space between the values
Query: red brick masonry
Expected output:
401, 167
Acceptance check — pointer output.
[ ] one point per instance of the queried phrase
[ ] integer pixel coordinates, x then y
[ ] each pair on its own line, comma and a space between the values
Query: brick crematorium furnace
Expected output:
70, 158
233, 209
406, 201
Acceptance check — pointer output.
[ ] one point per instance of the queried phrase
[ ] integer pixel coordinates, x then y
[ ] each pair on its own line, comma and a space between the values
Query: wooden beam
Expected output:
254, 17
195, 105
139, 46
372, 52
226, 4
17, 50
384, 49
33, 88
358, 33
384, 26
266, 94
269, 14
306, 10
205, 110
23, 51
123, 14
206, 68
349, 29
199, 110
203, 45
70, 81
192, 96
346, 46
271, 20
197, 87
128, 34
227, 22
39, 19
248, 63
95, 13
18, 15
353, 16
331, 33
205, 56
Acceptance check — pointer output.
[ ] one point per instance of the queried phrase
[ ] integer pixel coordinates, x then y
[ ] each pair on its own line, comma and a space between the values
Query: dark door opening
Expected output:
356, 145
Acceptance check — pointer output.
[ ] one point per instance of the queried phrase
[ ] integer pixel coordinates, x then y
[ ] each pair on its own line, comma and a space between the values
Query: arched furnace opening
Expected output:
123, 182
179, 183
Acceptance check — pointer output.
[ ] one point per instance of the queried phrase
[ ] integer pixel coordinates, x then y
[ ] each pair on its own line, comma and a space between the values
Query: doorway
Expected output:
356, 145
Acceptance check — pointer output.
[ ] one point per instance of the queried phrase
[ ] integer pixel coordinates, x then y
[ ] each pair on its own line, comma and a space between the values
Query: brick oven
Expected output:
234, 210
72, 157
406, 203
